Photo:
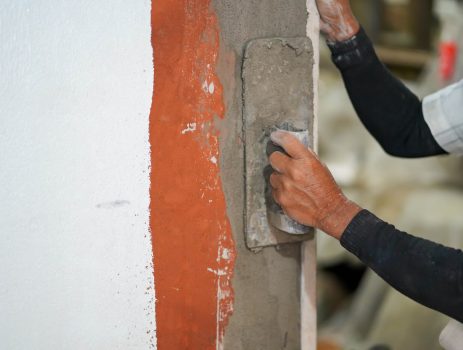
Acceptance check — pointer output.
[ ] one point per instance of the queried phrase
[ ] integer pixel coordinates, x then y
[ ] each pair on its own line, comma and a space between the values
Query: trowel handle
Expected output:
273, 147
275, 214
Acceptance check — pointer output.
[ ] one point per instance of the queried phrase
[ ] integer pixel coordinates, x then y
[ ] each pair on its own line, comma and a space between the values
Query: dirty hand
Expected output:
337, 21
305, 188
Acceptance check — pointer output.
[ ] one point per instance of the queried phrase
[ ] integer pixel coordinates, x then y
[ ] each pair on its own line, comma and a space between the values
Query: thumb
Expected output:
290, 144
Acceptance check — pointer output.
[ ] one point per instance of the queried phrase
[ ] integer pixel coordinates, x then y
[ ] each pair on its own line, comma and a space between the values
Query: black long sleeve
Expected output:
427, 272
387, 108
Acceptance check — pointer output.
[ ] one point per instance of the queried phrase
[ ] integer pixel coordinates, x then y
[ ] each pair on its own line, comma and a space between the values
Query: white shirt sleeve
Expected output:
451, 337
443, 112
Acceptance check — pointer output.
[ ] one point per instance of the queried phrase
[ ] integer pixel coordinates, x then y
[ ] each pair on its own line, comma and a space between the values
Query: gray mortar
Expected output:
277, 92
266, 285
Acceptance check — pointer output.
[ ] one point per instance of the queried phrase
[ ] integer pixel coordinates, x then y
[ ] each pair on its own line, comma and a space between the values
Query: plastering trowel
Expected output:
277, 94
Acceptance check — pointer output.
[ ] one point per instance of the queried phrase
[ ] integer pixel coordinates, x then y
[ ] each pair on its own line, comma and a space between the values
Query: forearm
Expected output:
387, 108
429, 273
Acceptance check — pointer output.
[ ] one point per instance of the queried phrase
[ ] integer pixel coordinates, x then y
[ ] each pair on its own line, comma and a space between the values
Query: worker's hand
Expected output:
305, 188
337, 21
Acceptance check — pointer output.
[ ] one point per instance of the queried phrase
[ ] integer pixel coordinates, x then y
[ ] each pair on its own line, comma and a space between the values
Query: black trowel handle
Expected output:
273, 147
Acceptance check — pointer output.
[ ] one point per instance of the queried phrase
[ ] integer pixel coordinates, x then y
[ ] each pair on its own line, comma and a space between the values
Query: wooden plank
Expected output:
309, 248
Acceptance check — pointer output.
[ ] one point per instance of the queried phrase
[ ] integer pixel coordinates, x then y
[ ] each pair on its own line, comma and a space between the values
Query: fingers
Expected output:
280, 162
275, 180
290, 143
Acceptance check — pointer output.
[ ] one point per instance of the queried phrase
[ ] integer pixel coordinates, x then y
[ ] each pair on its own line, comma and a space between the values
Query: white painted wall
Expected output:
75, 251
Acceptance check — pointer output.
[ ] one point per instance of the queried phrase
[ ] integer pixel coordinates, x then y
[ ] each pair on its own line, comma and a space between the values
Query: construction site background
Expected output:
424, 197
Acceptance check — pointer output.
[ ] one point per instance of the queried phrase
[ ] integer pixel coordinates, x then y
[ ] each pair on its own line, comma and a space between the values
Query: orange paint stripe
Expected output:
192, 241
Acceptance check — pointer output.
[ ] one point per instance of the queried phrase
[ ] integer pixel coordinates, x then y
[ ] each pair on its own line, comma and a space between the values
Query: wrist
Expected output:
347, 29
355, 51
337, 220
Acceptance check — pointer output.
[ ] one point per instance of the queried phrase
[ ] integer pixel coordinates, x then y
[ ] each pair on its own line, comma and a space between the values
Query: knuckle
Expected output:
293, 141
286, 184
296, 174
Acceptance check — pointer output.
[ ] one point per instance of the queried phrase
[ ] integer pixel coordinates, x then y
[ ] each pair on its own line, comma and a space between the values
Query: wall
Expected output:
107, 173
267, 285
208, 299
75, 253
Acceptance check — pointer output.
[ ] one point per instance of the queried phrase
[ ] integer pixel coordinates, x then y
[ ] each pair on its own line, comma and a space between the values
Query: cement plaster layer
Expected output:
277, 90
267, 303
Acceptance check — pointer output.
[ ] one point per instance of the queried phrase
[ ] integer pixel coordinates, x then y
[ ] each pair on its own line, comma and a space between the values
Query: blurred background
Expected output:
421, 41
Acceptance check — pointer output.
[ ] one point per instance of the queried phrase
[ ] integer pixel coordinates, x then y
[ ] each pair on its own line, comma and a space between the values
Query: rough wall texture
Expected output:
267, 303
202, 267
277, 92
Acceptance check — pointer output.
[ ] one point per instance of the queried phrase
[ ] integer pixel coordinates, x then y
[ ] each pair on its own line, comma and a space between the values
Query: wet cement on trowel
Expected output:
266, 313
277, 90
